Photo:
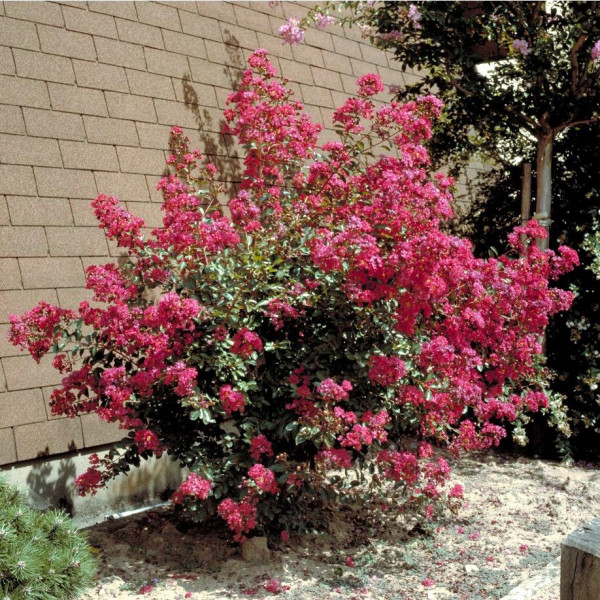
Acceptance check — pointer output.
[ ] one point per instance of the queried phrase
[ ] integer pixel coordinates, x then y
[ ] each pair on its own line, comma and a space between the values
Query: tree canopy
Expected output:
509, 73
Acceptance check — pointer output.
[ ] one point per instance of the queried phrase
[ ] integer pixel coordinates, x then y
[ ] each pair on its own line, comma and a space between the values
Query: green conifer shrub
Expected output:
42, 555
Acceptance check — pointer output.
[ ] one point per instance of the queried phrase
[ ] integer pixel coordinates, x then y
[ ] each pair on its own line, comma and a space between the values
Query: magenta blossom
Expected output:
291, 32
369, 85
414, 15
596, 52
322, 21
521, 46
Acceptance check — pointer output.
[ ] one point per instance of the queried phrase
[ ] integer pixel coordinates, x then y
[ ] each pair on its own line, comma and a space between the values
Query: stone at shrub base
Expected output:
255, 550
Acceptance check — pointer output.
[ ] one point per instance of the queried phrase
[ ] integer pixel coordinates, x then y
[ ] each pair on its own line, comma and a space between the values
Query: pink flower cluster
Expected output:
117, 223
246, 343
323, 21
90, 481
147, 440
334, 458
414, 15
521, 46
291, 32
260, 445
36, 330
231, 400
279, 311
386, 370
194, 486
369, 85
241, 517
277, 133
596, 52
264, 478
332, 392
183, 376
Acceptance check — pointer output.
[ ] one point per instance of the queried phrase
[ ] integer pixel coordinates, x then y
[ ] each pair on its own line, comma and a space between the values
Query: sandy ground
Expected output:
517, 511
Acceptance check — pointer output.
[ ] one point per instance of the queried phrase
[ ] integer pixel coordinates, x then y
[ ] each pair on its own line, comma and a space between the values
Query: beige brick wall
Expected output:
88, 92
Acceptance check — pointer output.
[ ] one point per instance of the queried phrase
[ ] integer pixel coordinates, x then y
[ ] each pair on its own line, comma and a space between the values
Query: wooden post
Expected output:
580, 564
525, 197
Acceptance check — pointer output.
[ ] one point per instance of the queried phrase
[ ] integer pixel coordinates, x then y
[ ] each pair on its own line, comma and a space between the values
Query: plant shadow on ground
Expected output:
516, 513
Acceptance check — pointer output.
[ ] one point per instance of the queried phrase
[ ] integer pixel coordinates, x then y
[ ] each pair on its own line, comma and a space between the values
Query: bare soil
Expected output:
517, 511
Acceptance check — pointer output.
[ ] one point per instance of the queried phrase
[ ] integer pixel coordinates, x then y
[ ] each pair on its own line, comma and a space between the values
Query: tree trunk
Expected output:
525, 197
544, 185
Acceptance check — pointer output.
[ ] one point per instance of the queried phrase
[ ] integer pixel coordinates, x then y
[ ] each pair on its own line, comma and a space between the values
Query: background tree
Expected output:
573, 352
520, 82
512, 74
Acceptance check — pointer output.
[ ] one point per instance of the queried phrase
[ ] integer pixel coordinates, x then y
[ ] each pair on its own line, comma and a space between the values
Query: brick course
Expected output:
78, 100
38, 12
20, 408
118, 53
54, 40
37, 65
24, 92
125, 106
53, 124
23, 241
11, 119
58, 272
100, 76
10, 276
88, 92
47, 438
65, 183
110, 131
18, 34
26, 210
8, 449
84, 21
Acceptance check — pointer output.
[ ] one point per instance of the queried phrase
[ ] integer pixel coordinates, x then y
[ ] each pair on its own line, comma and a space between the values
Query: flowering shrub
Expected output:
314, 330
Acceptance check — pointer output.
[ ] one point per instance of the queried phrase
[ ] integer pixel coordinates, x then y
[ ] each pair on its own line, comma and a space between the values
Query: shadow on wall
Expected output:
219, 148
154, 479
52, 485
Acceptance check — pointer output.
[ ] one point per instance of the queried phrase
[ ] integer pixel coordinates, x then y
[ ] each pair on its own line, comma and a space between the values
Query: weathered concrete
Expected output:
51, 482
539, 586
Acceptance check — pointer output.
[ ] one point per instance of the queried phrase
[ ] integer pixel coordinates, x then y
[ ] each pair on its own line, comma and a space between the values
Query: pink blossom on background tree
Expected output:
328, 322
291, 32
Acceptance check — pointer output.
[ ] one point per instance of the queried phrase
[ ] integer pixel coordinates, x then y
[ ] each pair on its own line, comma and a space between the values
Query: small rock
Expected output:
470, 569
111, 580
255, 550
169, 530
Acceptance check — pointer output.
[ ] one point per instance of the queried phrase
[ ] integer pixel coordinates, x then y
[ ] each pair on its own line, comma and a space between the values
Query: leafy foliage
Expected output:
42, 556
309, 333
540, 68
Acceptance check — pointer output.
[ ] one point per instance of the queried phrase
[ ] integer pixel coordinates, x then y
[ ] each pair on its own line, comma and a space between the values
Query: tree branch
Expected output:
536, 12
574, 64
526, 121
577, 122
587, 81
